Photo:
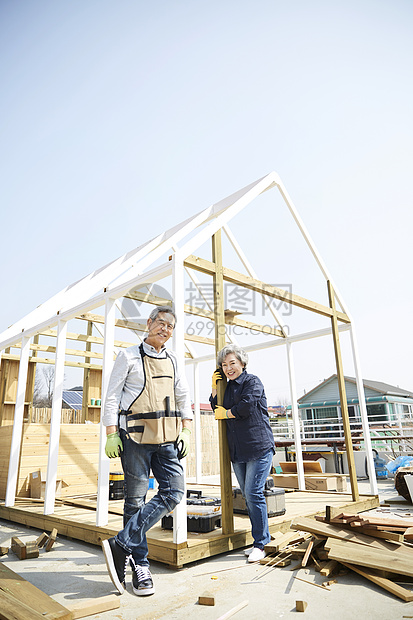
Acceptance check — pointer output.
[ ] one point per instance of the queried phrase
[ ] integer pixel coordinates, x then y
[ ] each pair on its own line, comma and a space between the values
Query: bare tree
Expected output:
48, 378
43, 386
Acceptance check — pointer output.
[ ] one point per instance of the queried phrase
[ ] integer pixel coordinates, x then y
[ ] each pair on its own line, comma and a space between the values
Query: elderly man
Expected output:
148, 416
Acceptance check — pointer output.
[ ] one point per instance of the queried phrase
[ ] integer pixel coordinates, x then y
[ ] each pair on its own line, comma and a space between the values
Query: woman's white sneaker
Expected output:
249, 551
256, 555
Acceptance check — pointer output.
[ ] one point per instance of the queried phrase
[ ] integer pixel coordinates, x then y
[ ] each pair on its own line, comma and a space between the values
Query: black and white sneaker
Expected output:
116, 561
142, 584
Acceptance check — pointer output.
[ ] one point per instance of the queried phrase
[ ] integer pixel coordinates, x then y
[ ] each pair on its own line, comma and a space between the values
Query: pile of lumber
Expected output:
377, 548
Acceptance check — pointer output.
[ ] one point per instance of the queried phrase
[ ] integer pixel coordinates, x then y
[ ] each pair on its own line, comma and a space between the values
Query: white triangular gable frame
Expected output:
104, 286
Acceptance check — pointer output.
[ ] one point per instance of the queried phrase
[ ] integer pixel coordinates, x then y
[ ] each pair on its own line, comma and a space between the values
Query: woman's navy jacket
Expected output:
249, 433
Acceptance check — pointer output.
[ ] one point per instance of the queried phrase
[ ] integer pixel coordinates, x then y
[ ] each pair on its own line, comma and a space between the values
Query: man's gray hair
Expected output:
167, 309
236, 350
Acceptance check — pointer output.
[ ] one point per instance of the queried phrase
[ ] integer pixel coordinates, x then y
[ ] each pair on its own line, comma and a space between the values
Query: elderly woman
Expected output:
250, 438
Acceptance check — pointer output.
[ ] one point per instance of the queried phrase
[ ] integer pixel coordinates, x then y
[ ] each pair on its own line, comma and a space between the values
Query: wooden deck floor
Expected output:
77, 520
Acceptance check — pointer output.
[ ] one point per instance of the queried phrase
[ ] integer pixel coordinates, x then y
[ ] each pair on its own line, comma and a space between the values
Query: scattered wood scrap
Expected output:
375, 547
30, 549
18, 547
234, 610
206, 599
90, 607
42, 540
51, 539
300, 605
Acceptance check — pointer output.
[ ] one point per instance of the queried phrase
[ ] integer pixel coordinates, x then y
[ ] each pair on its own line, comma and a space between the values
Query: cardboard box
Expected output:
313, 482
38, 485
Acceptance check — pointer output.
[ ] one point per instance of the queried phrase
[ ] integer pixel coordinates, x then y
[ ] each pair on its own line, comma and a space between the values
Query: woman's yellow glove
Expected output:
221, 413
217, 376
113, 446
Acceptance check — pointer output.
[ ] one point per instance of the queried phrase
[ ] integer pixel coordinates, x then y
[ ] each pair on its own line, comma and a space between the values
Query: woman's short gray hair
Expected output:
237, 351
166, 309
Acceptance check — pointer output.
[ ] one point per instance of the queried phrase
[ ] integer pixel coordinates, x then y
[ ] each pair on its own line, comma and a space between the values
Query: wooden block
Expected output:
18, 547
329, 568
32, 550
51, 539
90, 607
4, 550
41, 540
206, 599
301, 605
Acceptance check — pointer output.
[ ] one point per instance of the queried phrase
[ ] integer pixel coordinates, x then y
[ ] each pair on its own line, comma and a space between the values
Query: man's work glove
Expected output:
113, 446
221, 413
217, 376
182, 443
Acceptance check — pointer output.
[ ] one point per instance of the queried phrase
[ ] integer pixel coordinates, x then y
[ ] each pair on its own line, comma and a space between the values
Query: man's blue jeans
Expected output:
138, 517
251, 478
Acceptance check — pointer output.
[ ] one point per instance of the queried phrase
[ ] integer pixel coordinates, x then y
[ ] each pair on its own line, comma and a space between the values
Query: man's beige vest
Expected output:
152, 418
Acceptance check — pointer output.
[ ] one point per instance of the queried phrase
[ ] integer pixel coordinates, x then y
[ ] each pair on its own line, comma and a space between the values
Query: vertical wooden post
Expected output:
86, 376
343, 397
224, 460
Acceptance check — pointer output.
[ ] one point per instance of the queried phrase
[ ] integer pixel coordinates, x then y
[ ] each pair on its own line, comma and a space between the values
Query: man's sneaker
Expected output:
256, 555
142, 583
116, 562
249, 551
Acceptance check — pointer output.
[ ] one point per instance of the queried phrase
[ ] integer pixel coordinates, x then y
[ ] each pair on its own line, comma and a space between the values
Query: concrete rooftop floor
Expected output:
73, 570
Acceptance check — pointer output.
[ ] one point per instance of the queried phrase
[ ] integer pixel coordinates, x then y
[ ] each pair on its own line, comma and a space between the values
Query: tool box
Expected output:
274, 497
203, 513
194, 498
116, 480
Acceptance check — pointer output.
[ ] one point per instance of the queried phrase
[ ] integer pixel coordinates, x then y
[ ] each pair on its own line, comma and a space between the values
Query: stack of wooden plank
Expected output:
380, 548
374, 547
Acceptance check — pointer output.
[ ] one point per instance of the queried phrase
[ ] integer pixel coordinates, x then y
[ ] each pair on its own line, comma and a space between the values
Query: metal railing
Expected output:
396, 435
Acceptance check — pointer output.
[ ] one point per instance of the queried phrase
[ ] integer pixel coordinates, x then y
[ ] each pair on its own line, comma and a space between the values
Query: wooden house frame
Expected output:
170, 255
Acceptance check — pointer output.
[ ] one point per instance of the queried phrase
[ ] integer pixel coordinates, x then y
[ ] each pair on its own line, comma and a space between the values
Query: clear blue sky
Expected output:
120, 119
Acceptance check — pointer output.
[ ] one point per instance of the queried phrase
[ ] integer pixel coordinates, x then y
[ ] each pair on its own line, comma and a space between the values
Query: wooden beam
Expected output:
148, 298
232, 319
229, 275
45, 360
84, 338
343, 397
140, 327
225, 462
